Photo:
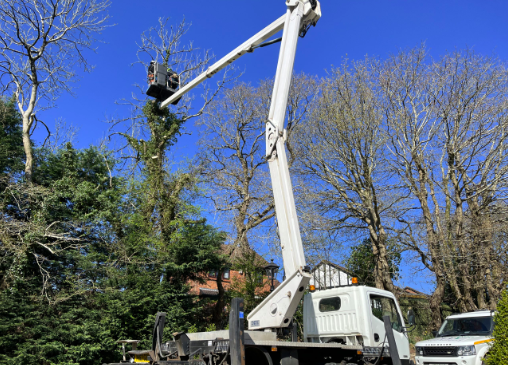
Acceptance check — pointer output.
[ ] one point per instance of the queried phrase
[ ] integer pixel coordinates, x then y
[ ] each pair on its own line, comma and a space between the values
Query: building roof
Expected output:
236, 253
409, 292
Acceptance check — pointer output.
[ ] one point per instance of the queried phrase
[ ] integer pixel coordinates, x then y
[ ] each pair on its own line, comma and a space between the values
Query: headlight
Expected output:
466, 350
419, 350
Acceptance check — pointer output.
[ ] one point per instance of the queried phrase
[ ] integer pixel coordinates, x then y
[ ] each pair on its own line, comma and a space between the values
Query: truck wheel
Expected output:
257, 356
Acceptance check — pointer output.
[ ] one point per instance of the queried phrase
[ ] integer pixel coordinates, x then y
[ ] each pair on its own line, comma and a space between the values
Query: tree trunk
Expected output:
219, 306
382, 276
27, 145
435, 302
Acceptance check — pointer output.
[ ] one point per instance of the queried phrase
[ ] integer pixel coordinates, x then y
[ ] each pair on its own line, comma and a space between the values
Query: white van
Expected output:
463, 339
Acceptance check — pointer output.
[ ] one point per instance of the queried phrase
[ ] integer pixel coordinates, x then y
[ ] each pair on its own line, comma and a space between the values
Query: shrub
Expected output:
498, 354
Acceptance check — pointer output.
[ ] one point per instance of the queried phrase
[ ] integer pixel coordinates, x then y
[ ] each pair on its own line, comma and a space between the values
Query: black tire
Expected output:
257, 356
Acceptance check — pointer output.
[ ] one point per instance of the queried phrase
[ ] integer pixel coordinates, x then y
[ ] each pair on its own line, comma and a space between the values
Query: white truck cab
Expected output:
353, 315
463, 339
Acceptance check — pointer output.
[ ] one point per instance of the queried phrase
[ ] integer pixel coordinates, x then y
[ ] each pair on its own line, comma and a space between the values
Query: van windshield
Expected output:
468, 326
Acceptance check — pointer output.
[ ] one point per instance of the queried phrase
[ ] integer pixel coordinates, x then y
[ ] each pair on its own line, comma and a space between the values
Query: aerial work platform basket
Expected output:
162, 82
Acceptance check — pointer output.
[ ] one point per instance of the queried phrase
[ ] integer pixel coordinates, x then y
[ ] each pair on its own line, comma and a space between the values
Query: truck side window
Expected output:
383, 306
329, 304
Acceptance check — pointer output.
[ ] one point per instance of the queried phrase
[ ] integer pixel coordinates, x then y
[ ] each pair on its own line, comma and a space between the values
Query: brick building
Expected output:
232, 275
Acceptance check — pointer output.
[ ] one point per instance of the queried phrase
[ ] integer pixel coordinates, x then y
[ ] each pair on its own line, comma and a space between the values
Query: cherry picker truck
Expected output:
346, 324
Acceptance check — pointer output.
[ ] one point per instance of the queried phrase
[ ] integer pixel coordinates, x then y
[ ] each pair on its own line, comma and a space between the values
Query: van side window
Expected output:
329, 304
383, 306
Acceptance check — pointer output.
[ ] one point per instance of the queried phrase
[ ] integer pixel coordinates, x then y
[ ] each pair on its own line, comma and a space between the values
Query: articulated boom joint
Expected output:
272, 136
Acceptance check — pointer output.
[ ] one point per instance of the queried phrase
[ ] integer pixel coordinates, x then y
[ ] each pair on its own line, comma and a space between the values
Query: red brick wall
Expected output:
211, 283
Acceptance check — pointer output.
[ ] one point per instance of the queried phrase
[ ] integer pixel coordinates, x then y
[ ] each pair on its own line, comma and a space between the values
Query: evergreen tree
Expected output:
53, 255
362, 262
498, 354
11, 140
83, 267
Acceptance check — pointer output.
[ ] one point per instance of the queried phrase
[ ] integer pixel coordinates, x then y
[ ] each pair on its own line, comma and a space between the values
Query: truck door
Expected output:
386, 306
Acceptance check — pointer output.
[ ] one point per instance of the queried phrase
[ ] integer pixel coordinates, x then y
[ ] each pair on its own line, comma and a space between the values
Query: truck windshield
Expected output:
468, 326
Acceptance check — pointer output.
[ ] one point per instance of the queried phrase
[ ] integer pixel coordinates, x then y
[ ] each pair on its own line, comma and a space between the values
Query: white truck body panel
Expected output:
353, 323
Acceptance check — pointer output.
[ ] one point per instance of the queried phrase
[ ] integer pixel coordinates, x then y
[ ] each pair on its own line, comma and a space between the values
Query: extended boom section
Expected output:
277, 310
247, 46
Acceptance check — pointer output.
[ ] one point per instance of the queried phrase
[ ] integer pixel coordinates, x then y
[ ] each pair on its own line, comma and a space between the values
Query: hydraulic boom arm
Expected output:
278, 308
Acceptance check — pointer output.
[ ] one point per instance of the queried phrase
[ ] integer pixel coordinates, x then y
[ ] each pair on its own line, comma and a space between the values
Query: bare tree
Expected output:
447, 124
232, 156
63, 134
404, 84
474, 118
165, 44
233, 147
41, 43
233, 164
343, 159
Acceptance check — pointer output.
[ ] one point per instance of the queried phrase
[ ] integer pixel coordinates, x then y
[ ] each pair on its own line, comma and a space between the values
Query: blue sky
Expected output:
352, 28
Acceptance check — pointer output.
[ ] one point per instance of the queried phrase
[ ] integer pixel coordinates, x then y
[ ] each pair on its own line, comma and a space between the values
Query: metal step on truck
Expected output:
349, 324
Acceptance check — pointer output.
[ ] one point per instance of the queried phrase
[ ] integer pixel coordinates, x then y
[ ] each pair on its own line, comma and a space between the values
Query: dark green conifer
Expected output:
498, 354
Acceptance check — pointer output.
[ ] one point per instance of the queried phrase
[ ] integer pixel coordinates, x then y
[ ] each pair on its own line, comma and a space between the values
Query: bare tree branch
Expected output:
41, 43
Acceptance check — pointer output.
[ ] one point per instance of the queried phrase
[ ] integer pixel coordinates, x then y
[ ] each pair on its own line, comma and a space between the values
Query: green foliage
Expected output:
82, 265
11, 141
498, 354
53, 230
362, 262
88, 257
195, 250
35, 333
162, 198
85, 328
251, 287
423, 316
211, 327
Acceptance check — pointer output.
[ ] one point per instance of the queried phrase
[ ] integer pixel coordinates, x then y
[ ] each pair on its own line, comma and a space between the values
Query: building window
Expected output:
225, 274
259, 277
212, 274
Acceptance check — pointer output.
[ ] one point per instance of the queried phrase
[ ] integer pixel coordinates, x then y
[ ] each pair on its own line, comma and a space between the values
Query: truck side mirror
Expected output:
411, 317
434, 333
